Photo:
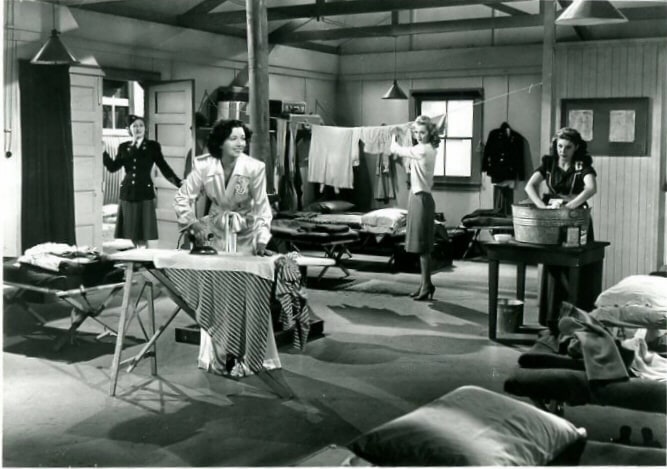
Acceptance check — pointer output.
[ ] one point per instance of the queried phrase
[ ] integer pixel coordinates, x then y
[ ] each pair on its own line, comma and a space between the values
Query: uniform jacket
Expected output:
245, 195
137, 184
503, 155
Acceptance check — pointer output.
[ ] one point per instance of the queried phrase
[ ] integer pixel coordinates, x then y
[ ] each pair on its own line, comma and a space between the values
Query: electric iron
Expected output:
201, 249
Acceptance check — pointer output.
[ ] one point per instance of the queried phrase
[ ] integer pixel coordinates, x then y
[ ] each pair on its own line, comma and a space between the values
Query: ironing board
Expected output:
219, 281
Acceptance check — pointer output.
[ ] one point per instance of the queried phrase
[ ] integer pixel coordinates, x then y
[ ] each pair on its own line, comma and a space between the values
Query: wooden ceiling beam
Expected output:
81, 3
415, 28
508, 9
351, 7
203, 7
286, 28
646, 13
197, 22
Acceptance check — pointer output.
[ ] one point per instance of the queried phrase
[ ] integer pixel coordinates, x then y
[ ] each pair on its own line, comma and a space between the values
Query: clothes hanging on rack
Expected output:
281, 137
503, 154
333, 153
304, 190
290, 186
385, 188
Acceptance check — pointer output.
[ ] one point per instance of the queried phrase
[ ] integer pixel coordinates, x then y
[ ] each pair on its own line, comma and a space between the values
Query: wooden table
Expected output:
521, 254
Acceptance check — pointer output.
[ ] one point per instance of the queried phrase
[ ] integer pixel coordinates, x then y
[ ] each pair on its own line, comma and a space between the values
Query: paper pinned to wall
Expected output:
622, 126
582, 120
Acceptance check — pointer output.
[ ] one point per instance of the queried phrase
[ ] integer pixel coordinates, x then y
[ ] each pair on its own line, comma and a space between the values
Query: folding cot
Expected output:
80, 286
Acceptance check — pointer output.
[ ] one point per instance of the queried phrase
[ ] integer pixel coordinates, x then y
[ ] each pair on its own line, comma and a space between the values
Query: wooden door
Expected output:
170, 113
86, 108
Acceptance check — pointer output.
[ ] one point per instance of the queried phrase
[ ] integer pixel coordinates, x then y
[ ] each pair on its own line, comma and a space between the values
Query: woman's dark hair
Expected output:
433, 138
573, 135
133, 117
221, 131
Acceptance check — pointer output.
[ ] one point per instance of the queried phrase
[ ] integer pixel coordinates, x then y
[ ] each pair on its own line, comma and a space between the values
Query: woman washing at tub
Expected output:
567, 171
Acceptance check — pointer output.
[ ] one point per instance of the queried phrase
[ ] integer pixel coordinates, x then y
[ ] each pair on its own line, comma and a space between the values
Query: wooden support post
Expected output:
548, 11
258, 68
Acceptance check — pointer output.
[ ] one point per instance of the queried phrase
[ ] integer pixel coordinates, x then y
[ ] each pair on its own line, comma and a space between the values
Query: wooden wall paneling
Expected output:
661, 145
495, 112
626, 210
651, 85
348, 103
589, 60
322, 92
523, 103
86, 127
575, 69
604, 72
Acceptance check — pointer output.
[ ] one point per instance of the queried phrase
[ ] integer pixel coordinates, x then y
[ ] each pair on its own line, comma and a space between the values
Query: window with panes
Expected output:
459, 113
115, 106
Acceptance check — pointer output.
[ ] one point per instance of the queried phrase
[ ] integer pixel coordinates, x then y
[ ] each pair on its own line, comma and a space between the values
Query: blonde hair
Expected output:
431, 129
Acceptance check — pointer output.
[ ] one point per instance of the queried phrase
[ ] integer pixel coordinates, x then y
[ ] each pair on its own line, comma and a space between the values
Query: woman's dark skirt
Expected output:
420, 231
136, 220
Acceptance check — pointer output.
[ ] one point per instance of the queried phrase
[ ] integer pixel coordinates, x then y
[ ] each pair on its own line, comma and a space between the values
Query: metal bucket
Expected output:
510, 314
547, 226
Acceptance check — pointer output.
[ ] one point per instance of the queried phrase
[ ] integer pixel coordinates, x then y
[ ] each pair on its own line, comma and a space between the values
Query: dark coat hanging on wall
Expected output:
503, 155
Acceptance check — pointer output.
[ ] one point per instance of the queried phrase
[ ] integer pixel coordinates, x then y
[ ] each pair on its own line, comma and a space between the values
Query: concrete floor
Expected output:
383, 355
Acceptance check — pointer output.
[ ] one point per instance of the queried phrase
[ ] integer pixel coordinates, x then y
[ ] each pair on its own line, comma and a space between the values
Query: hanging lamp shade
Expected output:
590, 13
395, 92
54, 52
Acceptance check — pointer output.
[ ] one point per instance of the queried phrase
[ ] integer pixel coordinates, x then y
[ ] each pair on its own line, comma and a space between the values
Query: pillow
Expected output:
330, 206
333, 456
631, 316
470, 426
386, 217
647, 290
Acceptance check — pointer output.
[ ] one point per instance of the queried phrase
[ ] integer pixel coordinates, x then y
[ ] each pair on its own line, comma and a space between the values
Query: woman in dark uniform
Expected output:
571, 181
136, 212
568, 173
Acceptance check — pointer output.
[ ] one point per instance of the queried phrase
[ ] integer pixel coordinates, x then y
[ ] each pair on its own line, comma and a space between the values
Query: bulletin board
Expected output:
610, 126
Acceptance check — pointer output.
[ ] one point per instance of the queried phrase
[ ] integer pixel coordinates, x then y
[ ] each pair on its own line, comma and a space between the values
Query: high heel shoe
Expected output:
427, 295
416, 294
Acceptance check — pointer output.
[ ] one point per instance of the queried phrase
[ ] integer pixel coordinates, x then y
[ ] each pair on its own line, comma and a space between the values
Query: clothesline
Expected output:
493, 98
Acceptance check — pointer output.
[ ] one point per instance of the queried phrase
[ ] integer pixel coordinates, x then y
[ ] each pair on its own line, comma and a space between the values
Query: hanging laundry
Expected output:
333, 153
385, 188
377, 139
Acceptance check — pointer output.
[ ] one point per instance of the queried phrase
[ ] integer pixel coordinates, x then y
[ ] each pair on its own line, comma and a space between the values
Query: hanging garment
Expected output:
503, 155
289, 199
503, 198
304, 190
378, 139
291, 294
281, 144
333, 153
385, 188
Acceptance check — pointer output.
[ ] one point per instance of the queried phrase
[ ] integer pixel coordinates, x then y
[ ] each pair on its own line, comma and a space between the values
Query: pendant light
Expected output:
590, 13
395, 92
54, 52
